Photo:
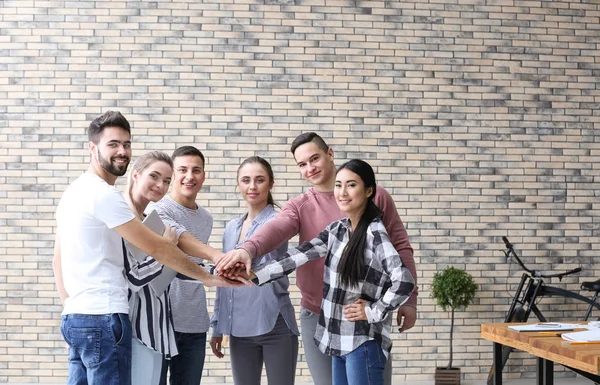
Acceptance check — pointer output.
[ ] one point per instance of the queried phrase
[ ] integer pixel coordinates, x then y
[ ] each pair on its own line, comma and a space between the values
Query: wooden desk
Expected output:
582, 358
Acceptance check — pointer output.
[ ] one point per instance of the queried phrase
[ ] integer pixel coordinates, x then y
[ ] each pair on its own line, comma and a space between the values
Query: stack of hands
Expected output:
236, 267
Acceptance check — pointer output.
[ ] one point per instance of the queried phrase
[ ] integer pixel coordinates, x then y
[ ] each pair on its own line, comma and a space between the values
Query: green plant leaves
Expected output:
453, 288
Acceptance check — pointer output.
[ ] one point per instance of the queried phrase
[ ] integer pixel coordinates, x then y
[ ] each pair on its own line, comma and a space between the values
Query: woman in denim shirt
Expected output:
259, 320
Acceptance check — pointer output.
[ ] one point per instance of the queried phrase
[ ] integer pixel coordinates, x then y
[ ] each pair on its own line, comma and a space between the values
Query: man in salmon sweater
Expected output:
307, 215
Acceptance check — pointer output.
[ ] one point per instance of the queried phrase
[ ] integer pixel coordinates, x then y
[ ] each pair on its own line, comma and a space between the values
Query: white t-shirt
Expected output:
91, 252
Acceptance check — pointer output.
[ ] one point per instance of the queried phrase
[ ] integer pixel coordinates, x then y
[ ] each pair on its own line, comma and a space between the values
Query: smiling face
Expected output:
152, 183
254, 184
113, 151
350, 193
316, 165
188, 177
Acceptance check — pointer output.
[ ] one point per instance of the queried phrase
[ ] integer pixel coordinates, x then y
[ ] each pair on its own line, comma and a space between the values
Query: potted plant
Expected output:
452, 288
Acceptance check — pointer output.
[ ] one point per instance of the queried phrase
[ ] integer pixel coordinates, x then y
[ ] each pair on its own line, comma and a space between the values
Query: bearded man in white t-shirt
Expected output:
92, 218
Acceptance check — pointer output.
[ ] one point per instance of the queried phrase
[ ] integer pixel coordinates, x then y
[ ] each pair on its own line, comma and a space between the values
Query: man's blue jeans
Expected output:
186, 367
100, 348
363, 366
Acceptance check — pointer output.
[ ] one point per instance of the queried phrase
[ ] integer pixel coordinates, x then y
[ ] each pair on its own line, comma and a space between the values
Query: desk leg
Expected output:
539, 371
497, 364
545, 372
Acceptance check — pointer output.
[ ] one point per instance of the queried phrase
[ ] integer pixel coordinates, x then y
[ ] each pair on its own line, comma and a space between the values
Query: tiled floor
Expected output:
558, 381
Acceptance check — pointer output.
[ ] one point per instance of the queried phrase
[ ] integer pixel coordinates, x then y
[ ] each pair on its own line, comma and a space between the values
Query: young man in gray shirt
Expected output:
188, 297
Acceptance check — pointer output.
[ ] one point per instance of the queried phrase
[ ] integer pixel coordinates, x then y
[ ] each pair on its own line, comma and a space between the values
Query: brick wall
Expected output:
481, 118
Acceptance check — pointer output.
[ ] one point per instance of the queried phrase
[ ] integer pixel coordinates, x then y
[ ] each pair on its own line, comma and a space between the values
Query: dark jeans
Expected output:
186, 367
100, 348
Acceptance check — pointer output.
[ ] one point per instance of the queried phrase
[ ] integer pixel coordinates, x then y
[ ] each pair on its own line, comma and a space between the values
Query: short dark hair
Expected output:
107, 119
188, 150
308, 137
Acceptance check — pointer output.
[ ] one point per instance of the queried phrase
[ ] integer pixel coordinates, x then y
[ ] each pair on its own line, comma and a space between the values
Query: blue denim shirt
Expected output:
252, 311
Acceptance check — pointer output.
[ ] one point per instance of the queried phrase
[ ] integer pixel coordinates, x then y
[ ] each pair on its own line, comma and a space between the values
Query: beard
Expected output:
110, 167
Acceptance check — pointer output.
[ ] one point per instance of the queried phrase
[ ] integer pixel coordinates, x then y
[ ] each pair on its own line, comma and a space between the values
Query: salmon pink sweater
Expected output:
308, 215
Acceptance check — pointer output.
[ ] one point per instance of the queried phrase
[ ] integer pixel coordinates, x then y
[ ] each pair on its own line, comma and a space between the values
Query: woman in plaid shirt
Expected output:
364, 280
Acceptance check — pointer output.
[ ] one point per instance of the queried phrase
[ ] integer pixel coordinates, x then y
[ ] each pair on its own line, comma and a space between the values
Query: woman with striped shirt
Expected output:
150, 313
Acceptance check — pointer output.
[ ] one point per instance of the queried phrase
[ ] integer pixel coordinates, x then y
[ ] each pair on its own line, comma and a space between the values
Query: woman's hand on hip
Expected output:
356, 311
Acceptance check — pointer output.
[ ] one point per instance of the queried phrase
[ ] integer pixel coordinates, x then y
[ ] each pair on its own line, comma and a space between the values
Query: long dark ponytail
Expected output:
352, 264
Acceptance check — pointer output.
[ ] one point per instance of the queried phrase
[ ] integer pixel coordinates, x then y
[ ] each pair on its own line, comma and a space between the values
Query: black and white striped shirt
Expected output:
149, 312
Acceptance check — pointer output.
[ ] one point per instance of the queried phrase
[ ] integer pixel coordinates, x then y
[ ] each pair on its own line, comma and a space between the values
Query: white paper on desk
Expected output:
160, 283
592, 335
544, 327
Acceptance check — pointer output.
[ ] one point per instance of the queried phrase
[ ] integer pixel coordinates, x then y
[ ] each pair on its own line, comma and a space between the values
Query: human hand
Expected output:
216, 257
407, 316
171, 235
237, 269
220, 281
356, 311
215, 345
243, 278
234, 257
238, 272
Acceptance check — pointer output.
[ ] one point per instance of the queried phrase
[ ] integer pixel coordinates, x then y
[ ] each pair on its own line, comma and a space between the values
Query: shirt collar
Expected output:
260, 218
345, 222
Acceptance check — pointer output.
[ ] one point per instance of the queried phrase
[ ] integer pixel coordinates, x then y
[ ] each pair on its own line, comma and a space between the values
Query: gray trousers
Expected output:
278, 349
319, 364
